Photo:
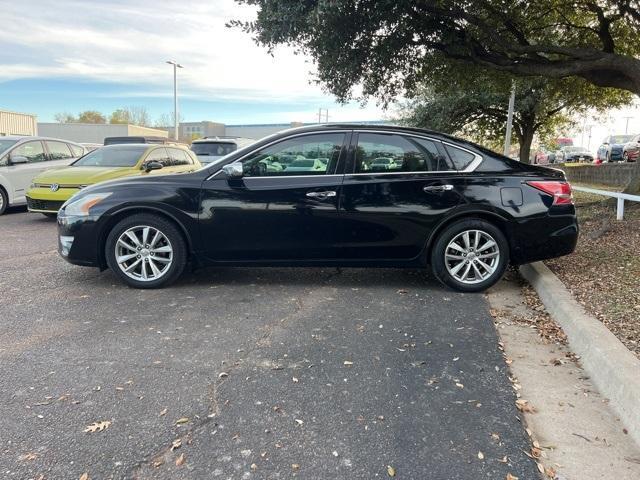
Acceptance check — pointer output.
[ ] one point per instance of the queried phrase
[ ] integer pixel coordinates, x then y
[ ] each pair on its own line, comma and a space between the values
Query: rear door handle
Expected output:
437, 188
322, 195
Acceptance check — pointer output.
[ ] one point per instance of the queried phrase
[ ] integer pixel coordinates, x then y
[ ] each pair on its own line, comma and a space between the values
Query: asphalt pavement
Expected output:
246, 373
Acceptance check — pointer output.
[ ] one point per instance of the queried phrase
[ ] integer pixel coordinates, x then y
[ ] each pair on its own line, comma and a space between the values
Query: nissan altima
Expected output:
438, 201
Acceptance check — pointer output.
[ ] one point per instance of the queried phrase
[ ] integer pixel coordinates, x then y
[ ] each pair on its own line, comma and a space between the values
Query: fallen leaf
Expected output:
540, 467
254, 466
459, 385
295, 379
295, 467
182, 421
157, 462
347, 362
524, 406
119, 389
299, 422
481, 455
84, 476
510, 477
391, 471
504, 459
163, 413
28, 456
223, 375
177, 443
180, 460
97, 426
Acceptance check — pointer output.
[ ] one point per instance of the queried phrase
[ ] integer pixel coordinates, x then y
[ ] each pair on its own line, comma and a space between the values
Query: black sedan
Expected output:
434, 200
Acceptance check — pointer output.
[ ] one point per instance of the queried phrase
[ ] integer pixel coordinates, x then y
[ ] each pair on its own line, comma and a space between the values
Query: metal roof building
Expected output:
14, 123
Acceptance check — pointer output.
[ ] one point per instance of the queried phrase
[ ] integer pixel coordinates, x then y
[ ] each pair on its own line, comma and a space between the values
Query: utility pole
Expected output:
512, 101
626, 126
176, 66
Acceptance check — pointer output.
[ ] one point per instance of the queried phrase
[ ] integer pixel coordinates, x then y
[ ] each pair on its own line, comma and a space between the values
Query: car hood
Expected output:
83, 175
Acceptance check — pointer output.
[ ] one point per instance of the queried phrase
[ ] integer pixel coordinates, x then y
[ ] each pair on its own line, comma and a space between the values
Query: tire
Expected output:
625, 157
161, 260
449, 270
4, 201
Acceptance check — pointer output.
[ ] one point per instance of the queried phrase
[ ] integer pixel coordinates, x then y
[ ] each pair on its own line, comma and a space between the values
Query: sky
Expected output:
74, 55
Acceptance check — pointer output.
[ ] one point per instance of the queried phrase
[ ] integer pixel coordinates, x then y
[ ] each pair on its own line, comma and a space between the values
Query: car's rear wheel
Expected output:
146, 251
625, 156
470, 255
4, 201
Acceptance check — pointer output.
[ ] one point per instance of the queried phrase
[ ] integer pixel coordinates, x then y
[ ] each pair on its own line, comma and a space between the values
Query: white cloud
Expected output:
118, 41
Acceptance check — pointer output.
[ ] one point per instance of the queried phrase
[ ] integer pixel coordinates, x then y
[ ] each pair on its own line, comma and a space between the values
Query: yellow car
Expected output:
52, 188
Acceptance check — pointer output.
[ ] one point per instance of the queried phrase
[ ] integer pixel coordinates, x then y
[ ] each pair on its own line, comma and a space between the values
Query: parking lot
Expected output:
248, 373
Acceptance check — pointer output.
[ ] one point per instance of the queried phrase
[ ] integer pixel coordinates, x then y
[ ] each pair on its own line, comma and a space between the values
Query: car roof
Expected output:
35, 137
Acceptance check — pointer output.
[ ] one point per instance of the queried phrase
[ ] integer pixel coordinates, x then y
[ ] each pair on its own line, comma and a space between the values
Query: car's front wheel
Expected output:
4, 201
146, 251
470, 255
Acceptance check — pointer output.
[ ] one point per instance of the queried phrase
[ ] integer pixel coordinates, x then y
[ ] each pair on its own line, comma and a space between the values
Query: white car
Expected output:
210, 149
22, 158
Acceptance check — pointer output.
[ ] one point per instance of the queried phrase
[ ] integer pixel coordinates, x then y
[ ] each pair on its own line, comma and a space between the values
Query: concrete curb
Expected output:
613, 368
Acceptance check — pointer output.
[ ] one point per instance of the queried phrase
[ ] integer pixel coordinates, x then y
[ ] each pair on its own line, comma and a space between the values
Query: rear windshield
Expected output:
620, 138
116, 156
215, 149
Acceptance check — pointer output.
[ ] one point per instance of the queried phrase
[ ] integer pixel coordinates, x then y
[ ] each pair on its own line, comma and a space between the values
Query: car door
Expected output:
274, 214
392, 207
180, 160
21, 174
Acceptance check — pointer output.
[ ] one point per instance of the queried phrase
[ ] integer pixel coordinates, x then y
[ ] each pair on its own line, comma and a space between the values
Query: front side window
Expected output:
388, 153
58, 151
305, 155
33, 151
116, 156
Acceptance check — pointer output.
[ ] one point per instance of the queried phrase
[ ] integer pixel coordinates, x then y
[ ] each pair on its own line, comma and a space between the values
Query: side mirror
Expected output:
152, 165
233, 170
18, 160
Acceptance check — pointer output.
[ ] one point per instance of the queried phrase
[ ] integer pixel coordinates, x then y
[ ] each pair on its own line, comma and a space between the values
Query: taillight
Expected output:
560, 191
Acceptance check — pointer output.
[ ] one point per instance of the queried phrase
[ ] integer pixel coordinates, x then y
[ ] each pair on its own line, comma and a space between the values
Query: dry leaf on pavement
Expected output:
84, 476
180, 460
97, 426
391, 471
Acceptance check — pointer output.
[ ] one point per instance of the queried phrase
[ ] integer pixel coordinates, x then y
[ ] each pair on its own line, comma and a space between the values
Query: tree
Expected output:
64, 117
119, 116
135, 115
91, 116
473, 101
384, 45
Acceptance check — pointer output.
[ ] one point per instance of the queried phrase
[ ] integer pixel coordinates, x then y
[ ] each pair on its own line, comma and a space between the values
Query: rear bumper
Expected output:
550, 236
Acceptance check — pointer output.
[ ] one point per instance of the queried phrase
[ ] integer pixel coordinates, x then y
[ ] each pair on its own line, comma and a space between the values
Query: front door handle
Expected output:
437, 188
321, 195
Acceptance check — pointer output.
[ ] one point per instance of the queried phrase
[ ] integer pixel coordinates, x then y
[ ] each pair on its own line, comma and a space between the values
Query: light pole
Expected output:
512, 101
176, 66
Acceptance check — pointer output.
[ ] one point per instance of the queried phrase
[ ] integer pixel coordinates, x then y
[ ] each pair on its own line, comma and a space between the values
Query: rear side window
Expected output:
178, 157
59, 151
389, 153
460, 158
76, 150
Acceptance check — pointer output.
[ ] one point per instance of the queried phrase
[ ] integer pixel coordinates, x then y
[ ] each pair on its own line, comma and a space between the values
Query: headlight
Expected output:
80, 207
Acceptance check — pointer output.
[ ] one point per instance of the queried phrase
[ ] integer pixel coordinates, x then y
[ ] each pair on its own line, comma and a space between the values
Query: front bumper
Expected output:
79, 239
44, 200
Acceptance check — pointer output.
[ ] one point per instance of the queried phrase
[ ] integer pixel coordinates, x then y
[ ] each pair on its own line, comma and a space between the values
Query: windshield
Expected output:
5, 144
116, 156
575, 149
620, 138
216, 149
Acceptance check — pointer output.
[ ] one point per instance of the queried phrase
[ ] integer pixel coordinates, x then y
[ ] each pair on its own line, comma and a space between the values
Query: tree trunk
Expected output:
633, 185
525, 145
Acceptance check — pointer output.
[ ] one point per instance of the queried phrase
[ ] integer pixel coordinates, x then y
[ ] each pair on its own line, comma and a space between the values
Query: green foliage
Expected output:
386, 47
119, 116
91, 116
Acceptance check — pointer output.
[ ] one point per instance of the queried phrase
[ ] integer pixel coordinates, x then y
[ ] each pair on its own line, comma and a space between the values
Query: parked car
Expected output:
611, 148
465, 210
22, 158
209, 149
574, 154
631, 150
542, 156
52, 188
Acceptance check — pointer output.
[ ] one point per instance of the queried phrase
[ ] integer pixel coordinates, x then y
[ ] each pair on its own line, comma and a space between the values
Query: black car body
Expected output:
246, 210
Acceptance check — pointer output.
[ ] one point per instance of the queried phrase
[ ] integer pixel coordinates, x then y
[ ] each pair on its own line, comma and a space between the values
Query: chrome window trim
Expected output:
475, 163
303, 134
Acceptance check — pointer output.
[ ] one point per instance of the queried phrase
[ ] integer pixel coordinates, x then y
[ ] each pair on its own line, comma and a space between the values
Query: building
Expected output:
95, 132
258, 131
13, 123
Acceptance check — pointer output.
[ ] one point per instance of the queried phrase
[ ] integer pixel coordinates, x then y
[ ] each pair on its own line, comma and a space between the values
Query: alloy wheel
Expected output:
144, 253
472, 256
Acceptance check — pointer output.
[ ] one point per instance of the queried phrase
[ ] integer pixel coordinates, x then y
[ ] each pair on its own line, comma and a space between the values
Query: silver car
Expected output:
22, 158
